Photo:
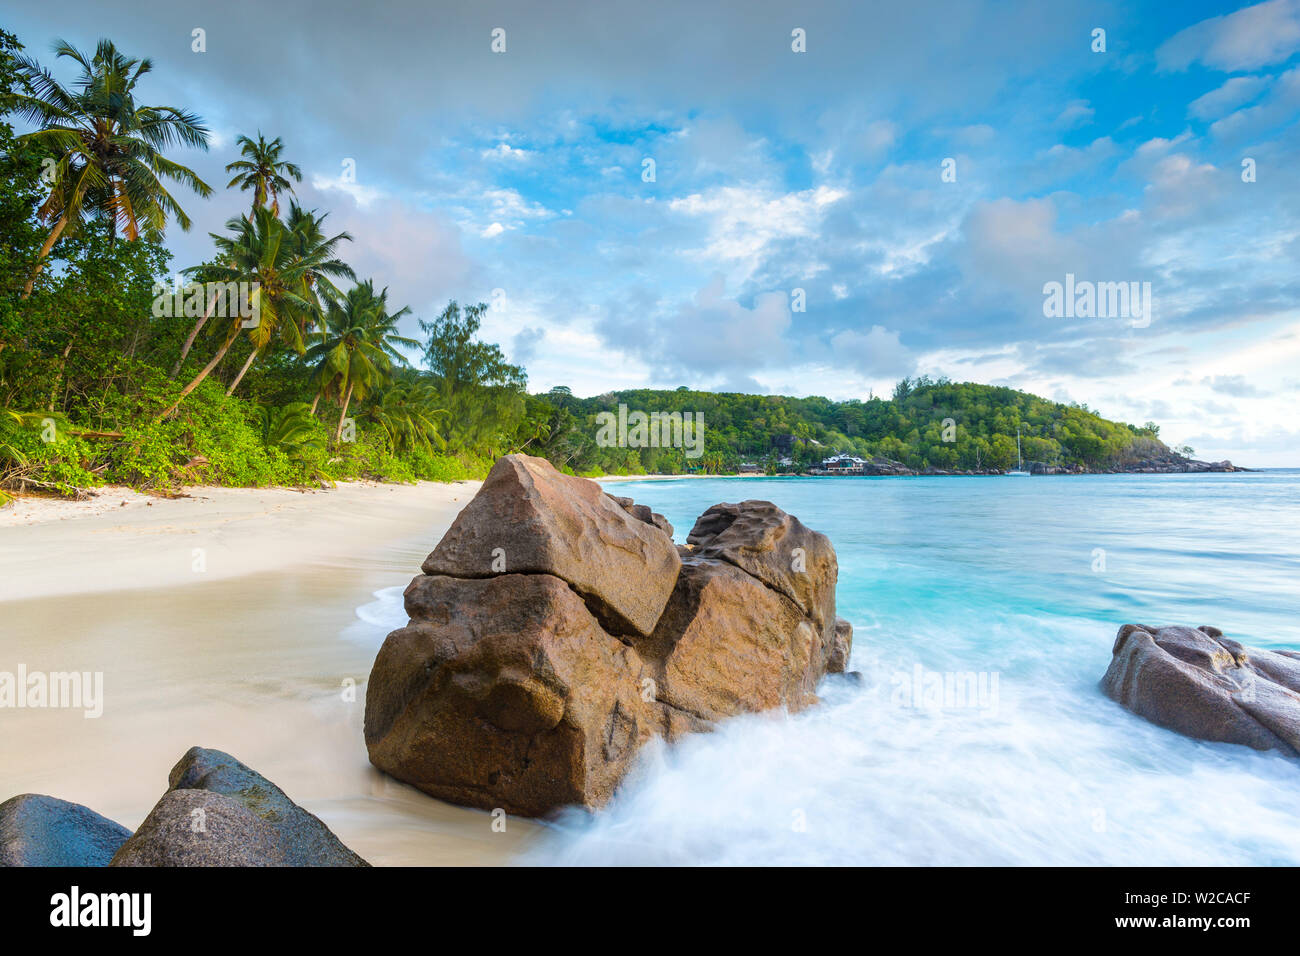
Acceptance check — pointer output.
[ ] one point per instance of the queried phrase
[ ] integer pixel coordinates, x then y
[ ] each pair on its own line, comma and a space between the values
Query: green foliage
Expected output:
482, 394
409, 415
212, 441
909, 427
263, 171
106, 147
39, 450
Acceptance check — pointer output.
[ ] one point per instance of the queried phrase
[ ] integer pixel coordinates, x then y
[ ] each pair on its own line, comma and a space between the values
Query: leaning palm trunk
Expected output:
347, 400
58, 378
314, 402
247, 365
194, 332
50, 240
198, 379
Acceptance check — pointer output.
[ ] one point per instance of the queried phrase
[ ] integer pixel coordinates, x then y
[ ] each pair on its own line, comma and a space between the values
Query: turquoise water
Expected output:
998, 579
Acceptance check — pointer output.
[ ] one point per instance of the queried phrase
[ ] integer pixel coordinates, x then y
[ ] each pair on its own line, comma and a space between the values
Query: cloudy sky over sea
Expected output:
519, 178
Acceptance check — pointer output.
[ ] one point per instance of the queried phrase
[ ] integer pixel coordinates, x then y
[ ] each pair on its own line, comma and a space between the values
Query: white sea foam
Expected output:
1058, 775
980, 577
376, 618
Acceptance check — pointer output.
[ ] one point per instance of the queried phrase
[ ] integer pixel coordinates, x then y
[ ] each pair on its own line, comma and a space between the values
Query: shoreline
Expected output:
122, 540
264, 655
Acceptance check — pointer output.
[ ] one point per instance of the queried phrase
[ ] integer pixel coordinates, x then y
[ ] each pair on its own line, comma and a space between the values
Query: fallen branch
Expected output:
78, 494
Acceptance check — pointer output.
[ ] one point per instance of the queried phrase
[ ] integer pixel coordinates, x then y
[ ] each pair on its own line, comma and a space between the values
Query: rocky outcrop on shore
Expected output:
218, 812
886, 466
1199, 683
556, 629
36, 830
1175, 464
1169, 463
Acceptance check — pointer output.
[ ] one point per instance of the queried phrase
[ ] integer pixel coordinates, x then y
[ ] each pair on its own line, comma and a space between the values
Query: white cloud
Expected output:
741, 221
876, 353
1278, 107
1236, 92
879, 136
1248, 39
1076, 113
504, 151
361, 195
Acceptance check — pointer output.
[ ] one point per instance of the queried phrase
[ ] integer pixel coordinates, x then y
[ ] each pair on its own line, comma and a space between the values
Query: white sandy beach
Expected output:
121, 539
226, 619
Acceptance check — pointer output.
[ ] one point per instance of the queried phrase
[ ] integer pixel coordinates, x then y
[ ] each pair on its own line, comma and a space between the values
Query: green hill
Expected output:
926, 424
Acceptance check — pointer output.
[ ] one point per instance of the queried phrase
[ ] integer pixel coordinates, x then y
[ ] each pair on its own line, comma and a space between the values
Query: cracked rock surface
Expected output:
557, 629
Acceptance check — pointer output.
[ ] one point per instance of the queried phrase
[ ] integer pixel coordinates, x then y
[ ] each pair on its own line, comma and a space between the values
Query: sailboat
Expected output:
1020, 462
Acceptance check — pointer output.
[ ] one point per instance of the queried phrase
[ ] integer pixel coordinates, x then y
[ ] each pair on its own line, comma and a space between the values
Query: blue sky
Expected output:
517, 178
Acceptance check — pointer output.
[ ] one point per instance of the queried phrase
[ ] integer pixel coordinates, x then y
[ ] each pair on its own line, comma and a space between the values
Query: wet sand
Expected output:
269, 664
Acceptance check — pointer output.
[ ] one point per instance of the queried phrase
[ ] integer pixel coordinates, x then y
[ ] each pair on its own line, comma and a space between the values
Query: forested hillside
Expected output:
979, 421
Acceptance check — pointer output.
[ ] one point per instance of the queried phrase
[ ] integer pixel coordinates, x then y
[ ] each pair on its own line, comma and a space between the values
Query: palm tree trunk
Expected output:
314, 402
50, 240
247, 365
347, 400
58, 378
198, 379
194, 332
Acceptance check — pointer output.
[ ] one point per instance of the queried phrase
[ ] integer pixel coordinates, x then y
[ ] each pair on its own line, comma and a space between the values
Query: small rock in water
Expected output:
37, 830
1200, 683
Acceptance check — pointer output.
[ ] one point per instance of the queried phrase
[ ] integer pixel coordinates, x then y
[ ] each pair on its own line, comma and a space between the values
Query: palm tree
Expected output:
311, 261
199, 273
357, 346
262, 171
260, 254
309, 248
310, 243
408, 412
13, 460
289, 426
294, 430
107, 147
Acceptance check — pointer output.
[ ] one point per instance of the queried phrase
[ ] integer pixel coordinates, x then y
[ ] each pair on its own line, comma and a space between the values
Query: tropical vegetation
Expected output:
321, 383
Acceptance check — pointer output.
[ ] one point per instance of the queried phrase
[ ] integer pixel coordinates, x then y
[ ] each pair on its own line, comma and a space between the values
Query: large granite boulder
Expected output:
218, 812
505, 692
36, 830
531, 684
529, 518
643, 513
1200, 683
727, 644
777, 549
